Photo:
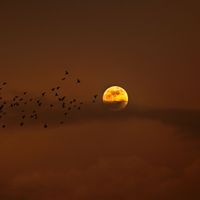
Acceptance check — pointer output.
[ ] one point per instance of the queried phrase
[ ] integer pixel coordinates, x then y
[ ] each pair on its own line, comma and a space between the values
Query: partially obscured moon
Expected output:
115, 97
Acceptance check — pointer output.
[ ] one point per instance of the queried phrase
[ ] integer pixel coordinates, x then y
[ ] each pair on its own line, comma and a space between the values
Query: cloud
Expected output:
186, 120
110, 179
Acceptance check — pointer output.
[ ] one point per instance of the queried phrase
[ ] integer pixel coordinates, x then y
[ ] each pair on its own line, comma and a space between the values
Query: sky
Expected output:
150, 150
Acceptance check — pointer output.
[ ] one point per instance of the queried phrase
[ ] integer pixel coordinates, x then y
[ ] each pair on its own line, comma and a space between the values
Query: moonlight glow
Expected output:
117, 96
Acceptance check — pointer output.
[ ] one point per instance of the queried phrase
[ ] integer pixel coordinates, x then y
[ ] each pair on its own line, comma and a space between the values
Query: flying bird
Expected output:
66, 72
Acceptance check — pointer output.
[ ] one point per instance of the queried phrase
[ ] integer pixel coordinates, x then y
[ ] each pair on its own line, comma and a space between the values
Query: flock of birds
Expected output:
20, 104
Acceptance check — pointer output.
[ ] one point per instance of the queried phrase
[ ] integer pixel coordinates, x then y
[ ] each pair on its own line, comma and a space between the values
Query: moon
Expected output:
116, 98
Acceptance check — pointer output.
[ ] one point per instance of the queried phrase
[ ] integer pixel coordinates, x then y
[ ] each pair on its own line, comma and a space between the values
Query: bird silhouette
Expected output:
66, 72
22, 104
1, 107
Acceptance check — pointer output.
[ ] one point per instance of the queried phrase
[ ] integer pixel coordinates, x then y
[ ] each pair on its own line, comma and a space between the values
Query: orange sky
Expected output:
150, 48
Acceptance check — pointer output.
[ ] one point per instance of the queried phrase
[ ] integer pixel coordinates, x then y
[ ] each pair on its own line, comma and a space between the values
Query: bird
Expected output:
45, 125
66, 72
62, 99
4, 83
43, 93
21, 124
95, 96
1, 107
63, 79
78, 81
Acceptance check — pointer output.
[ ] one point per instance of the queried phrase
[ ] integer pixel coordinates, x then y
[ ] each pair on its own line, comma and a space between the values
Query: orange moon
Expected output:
115, 97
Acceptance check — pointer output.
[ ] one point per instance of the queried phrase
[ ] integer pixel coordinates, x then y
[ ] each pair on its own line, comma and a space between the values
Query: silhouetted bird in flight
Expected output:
62, 99
1, 107
19, 103
66, 72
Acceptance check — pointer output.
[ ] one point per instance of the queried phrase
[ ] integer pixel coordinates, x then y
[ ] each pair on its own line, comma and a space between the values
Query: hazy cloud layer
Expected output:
185, 120
143, 161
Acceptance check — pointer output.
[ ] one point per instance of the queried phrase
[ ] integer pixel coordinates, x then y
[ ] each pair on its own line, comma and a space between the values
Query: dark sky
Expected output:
151, 48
